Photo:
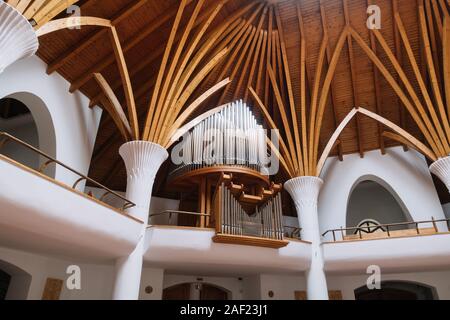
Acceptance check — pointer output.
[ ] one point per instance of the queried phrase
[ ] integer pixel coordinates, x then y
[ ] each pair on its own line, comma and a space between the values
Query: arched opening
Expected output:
14, 282
372, 202
397, 290
25, 116
196, 291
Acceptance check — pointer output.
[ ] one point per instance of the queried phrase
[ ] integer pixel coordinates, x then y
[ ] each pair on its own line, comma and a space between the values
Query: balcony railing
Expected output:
382, 231
5, 138
170, 214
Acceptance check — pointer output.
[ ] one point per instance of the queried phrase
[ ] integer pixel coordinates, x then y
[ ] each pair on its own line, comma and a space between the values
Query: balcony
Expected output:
41, 214
194, 249
412, 246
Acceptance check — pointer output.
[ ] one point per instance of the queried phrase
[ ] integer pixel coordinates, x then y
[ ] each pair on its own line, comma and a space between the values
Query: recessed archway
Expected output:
398, 290
196, 291
14, 282
372, 199
25, 116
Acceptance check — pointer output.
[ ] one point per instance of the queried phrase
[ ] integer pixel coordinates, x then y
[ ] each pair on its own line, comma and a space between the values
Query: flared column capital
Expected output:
441, 169
18, 39
304, 190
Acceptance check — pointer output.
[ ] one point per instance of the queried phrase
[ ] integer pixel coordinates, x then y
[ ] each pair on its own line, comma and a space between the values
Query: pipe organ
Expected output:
230, 137
225, 158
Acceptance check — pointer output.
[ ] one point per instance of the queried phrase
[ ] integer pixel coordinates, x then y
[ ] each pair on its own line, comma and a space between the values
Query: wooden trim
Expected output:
65, 23
414, 142
333, 140
249, 241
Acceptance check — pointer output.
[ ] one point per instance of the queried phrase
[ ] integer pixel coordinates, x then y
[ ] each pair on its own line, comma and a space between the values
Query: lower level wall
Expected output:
97, 280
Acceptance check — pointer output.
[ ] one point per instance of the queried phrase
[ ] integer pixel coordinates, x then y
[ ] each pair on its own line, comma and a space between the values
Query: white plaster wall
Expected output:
252, 287
75, 124
405, 174
23, 128
446, 208
439, 280
283, 286
369, 200
151, 277
233, 285
96, 280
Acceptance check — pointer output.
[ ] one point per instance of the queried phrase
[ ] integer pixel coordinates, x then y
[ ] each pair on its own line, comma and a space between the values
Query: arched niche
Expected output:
16, 281
372, 198
196, 291
43, 123
398, 290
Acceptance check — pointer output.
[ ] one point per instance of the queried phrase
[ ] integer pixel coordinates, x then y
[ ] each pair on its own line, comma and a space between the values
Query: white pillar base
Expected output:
441, 169
142, 160
18, 39
305, 192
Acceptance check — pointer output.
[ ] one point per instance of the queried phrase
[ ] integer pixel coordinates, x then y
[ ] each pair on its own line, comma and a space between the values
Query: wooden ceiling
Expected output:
144, 27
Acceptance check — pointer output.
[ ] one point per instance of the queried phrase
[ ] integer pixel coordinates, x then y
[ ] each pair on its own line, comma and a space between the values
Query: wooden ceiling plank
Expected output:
334, 102
260, 72
324, 95
23, 5
117, 111
269, 55
127, 86
65, 23
252, 53
298, 163
151, 109
251, 75
160, 112
192, 107
272, 125
390, 79
376, 79
422, 84
415, 142
399, 56
294, 116
87, 42
428, 18
446, 61
354, 80
33, 8
50, 10
433, 72
333, 140
187, 56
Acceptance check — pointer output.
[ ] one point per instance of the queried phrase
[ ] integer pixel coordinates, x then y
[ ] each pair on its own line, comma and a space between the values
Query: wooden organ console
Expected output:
225, 158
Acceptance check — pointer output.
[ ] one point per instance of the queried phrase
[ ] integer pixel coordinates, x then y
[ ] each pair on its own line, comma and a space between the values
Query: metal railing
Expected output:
388, 228
294, 233
5, 138
170, 213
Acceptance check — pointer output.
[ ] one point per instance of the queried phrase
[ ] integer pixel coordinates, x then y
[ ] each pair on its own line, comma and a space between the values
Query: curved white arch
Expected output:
20, 282
44, 124
405, 172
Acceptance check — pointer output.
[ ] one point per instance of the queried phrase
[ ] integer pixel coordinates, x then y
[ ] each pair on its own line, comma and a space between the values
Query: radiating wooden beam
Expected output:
87, 42
65, 23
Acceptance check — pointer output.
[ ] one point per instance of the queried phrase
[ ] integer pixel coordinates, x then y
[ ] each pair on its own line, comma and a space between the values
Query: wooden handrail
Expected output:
388, 226
7, 137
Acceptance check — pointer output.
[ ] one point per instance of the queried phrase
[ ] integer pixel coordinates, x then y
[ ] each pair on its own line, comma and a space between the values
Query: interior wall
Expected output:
405, 174
75, 124
24, 128
282, 286
233, 285
440, 280
369, 200
96, 280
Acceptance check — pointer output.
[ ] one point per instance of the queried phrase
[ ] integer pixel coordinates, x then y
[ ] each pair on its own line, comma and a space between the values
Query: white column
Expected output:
305, 192
142, 160
18, 39
441, 169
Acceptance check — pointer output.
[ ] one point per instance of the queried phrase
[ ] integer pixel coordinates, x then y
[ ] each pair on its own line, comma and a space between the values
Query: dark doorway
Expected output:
195, 291
5, 279
397, 290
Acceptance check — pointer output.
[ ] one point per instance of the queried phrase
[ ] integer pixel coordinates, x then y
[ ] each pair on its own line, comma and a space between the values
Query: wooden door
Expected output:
178, 292
212, 293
